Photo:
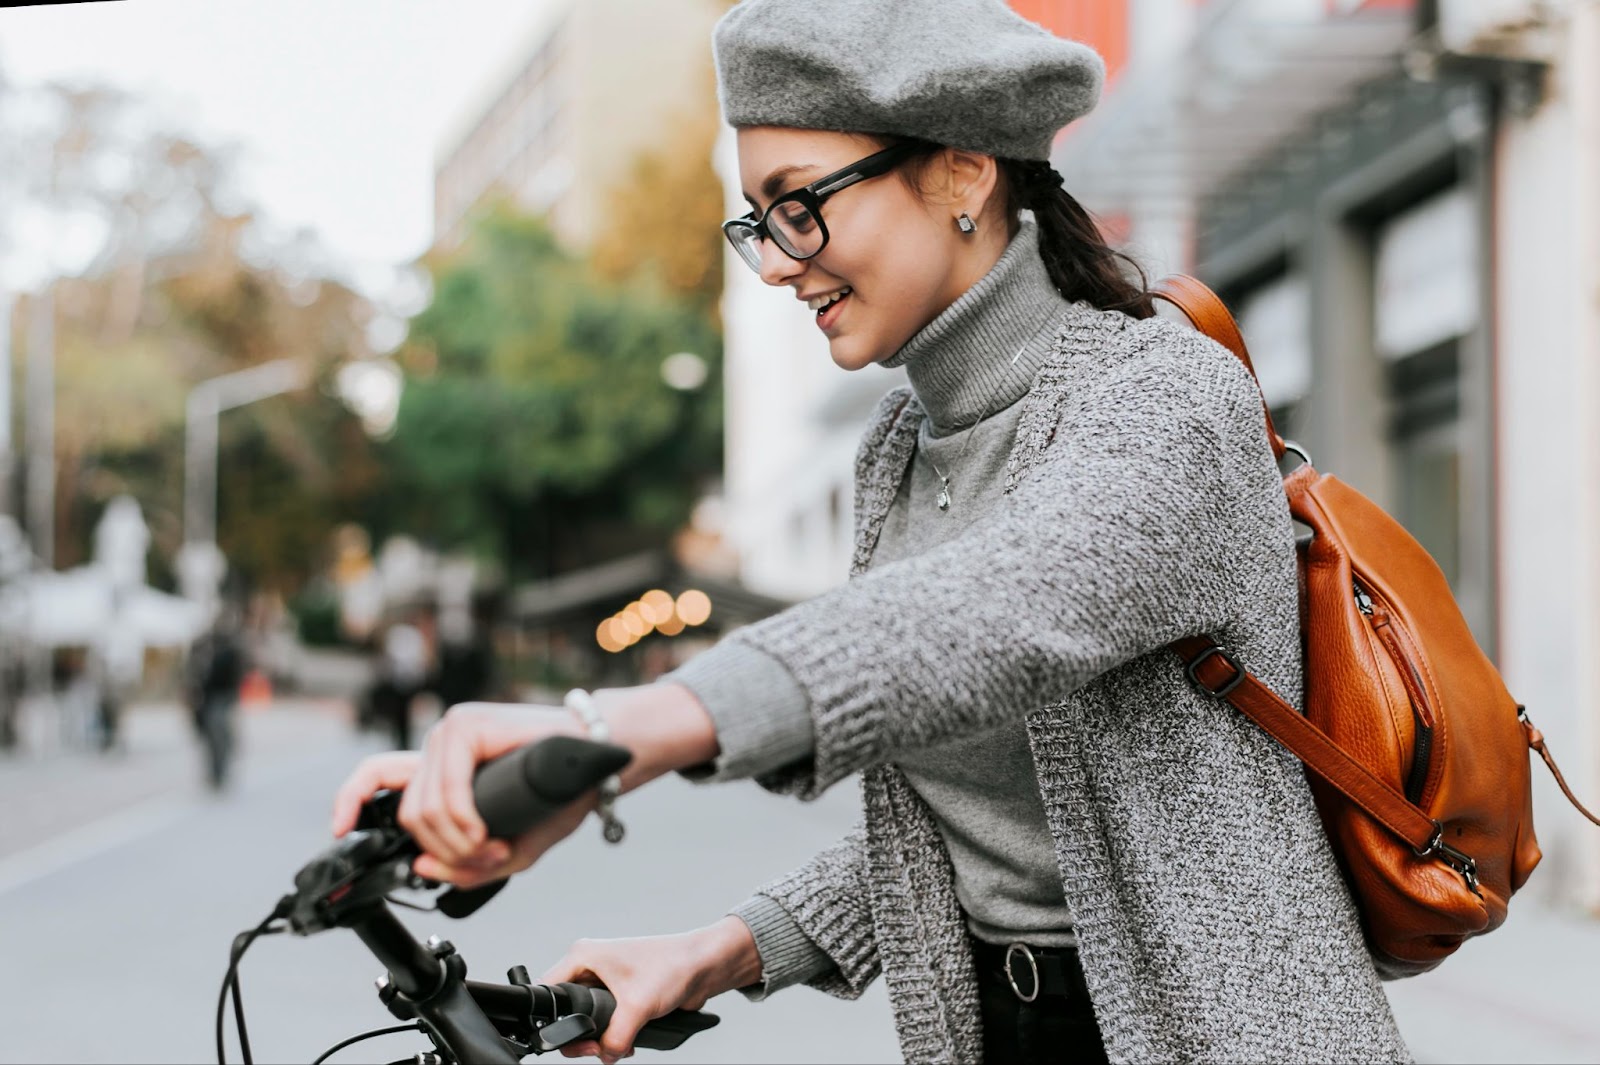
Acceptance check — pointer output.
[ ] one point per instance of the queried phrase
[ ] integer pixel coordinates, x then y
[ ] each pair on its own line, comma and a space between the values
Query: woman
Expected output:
1068, 849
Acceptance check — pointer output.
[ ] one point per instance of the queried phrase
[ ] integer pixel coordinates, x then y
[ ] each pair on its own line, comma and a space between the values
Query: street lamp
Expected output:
200, 562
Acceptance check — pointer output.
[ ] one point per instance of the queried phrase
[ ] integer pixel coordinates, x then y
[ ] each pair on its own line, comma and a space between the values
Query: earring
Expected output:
966, 224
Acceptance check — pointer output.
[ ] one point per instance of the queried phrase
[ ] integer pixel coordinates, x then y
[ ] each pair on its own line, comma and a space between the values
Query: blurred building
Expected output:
597, 82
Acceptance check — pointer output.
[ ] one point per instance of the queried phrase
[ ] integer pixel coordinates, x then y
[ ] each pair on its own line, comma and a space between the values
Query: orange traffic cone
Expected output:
255, 691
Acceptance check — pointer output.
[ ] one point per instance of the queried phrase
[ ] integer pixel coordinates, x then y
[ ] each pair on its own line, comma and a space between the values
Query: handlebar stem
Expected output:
432, 989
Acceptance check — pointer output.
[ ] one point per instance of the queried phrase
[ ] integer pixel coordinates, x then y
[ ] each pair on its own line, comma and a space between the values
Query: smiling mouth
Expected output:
837, 297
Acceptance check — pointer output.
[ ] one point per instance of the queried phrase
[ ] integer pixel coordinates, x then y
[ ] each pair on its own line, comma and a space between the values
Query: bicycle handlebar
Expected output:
467, 1020
518, 790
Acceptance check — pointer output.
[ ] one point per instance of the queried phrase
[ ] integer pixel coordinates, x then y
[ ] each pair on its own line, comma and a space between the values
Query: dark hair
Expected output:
1081, 264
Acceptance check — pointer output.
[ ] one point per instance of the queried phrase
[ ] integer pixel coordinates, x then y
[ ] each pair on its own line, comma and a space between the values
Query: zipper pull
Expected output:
1363, 600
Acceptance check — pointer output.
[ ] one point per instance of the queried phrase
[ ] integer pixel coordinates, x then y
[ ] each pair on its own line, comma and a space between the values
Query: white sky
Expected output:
337, 105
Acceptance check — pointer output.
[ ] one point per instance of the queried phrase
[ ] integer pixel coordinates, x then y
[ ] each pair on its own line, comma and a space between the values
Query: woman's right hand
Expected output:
652, 976
663, 726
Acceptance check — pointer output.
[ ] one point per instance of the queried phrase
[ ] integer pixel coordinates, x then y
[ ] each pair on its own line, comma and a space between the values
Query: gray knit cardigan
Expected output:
1142, 505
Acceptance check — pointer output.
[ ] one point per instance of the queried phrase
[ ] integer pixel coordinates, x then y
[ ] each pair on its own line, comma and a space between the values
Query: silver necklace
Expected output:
944, 481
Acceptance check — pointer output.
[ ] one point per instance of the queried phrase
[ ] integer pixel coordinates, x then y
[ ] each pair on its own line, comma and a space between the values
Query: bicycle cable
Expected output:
414, 1026
394, 901
230, 980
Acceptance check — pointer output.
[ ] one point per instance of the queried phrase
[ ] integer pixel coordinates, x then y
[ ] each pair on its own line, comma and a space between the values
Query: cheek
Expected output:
903, 284
898, 270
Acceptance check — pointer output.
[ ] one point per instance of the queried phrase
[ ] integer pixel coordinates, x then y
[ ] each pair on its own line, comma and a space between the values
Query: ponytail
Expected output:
1082, 266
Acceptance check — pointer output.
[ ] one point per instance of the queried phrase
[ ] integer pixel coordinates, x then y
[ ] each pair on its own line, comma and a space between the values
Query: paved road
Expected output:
114, 941
121, 884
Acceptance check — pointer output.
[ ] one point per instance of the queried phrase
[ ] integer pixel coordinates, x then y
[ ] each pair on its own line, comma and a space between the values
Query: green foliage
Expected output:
535, 424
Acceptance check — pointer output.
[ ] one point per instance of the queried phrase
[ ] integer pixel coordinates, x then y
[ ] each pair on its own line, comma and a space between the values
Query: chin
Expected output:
849, 353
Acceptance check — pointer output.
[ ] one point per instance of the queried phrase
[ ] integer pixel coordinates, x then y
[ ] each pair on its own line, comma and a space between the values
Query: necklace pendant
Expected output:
944, 497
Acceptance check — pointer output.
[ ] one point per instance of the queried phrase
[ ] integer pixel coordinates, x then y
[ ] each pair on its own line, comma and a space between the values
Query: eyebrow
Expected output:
775, 180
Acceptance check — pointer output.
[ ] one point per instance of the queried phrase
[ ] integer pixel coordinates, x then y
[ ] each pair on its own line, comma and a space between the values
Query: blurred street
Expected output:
122, 882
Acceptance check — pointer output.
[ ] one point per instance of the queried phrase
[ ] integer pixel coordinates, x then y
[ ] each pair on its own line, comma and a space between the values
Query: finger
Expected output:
571, 969
463, 876
433, 827
617, 1040
392, 770
457, 764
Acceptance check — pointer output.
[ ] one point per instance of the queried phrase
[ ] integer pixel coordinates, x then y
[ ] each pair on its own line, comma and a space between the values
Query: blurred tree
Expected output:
536, 425
174, 286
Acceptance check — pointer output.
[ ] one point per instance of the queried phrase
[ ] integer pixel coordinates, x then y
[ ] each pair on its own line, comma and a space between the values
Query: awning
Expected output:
83, 607
1174, 130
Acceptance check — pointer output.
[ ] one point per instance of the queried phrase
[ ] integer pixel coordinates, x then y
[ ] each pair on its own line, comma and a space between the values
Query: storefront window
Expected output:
1275, 321
1427, 276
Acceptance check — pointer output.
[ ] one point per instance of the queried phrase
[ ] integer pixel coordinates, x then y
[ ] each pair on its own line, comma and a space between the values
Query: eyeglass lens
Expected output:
791, 224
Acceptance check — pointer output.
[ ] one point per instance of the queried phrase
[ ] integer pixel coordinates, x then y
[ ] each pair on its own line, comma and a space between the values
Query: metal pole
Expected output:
40, 415
200, 467
205, 404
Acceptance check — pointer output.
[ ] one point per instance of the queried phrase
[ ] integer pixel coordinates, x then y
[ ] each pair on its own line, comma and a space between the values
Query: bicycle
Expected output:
352, 884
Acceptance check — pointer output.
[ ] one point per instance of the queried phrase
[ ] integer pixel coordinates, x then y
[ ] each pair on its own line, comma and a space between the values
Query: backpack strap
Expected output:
1220, 676
1536, 741
1210, 316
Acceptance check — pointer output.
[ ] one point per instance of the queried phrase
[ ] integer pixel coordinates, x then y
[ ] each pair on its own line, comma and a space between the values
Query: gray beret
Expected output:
970, 74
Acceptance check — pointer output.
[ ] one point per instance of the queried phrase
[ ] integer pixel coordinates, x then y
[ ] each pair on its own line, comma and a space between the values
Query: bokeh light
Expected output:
694, 607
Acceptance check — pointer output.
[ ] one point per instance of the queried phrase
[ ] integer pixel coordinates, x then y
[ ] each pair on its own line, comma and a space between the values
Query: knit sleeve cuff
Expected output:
788, 956
761, 714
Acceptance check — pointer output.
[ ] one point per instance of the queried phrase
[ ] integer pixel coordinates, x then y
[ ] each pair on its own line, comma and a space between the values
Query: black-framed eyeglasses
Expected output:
794, 220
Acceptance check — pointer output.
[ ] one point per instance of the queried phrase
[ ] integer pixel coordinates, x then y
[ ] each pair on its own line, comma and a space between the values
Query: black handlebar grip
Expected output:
523, 787
666, 1032
597, 1002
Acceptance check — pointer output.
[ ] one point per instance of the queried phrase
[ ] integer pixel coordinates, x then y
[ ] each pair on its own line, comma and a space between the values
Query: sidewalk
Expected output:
1530, 992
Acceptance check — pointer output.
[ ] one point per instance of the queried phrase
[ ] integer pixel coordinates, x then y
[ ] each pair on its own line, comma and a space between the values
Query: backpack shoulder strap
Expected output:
1219, 675
1206, 311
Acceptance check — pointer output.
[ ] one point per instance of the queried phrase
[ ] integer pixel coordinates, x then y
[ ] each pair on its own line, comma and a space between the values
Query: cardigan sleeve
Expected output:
761, 715
813, 925
1117, 542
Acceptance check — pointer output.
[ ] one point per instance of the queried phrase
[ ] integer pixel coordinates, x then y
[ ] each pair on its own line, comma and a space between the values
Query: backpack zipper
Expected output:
1416, 693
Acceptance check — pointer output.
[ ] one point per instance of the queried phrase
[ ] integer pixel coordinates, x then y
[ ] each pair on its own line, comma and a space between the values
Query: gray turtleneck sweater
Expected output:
969, 368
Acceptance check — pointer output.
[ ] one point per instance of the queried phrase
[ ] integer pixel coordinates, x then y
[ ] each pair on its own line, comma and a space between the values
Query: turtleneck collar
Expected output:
960, 364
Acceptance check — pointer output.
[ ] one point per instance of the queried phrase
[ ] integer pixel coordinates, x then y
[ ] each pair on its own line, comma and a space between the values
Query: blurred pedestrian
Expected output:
1069, 851
115, 665
11, 687
465, 670
403, 670
216, 670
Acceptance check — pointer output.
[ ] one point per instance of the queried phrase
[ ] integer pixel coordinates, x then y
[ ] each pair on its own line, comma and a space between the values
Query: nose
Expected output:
777, 268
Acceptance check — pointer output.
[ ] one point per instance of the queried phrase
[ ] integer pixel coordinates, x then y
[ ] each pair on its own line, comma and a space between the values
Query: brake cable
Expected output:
230, 980
414, 1026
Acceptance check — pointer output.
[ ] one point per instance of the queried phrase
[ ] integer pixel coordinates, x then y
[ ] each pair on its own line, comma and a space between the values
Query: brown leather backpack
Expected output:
1418, 753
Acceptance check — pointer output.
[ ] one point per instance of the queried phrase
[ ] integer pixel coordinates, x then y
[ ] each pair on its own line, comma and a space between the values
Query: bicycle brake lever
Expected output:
463, 902
568, 1029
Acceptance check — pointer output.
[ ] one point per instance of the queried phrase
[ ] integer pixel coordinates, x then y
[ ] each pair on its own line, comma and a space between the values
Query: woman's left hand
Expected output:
663, 726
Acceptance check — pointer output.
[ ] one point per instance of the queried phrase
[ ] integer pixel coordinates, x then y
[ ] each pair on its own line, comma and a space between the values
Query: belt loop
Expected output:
1033, 967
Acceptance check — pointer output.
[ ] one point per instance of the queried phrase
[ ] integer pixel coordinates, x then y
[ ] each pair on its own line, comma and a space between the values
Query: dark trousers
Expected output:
1057, 1029
216, 726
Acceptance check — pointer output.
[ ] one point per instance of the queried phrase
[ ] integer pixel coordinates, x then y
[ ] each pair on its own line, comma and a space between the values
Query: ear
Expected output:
970, 179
